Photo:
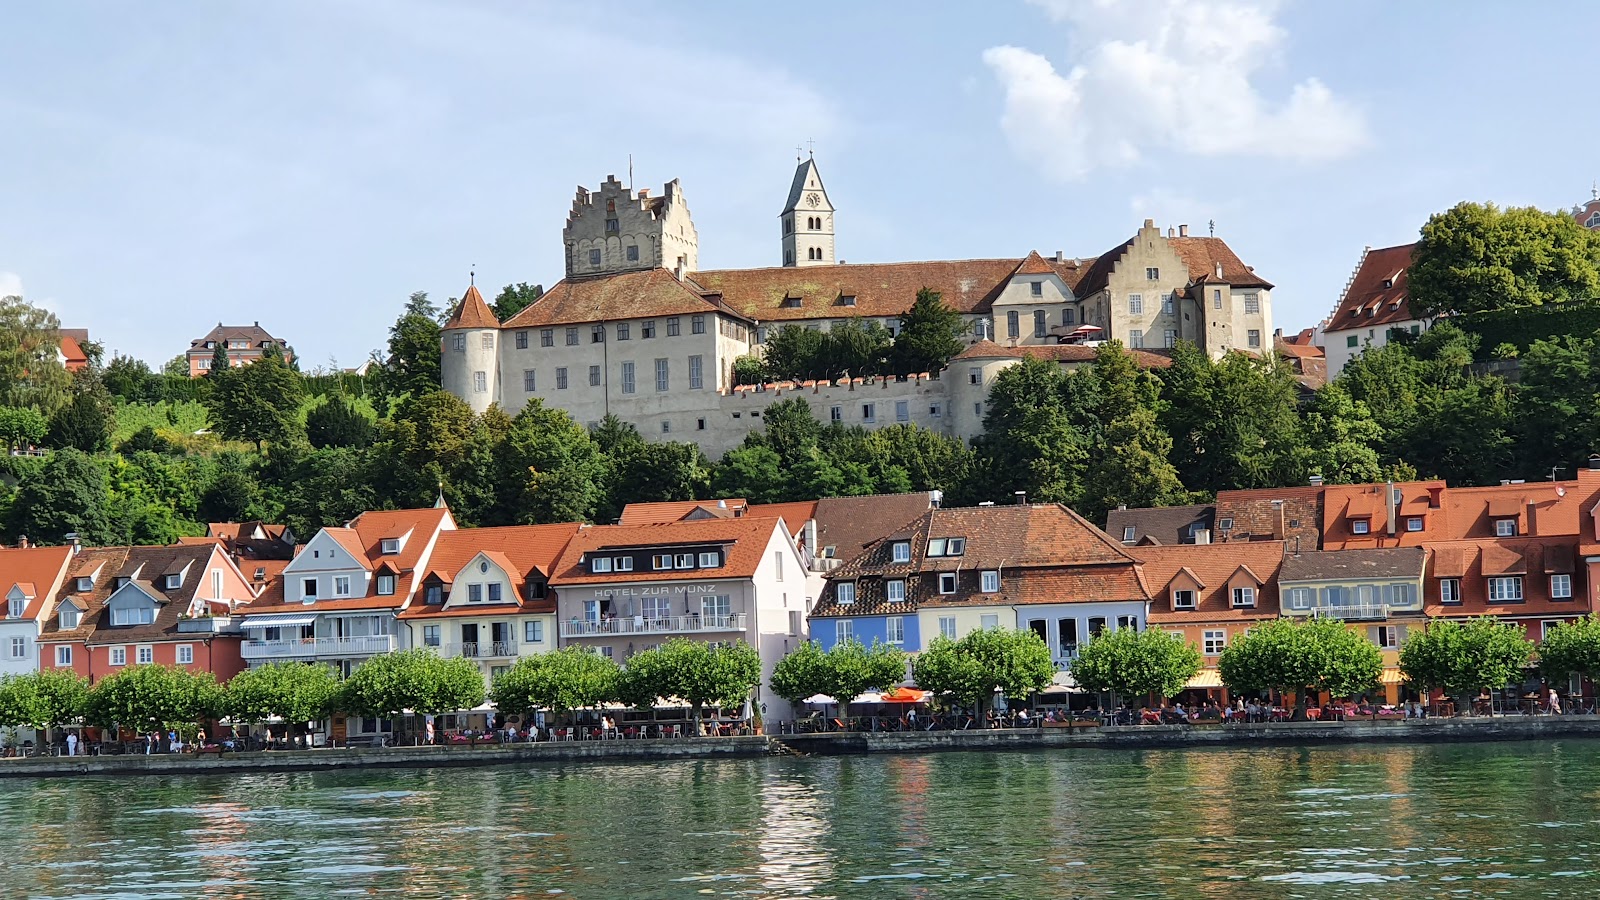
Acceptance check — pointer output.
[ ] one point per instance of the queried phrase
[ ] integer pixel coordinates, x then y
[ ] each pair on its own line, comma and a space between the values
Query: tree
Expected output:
296, 692
754, 473
1302, 656
1131, 462
790, 429
31, 373
1234, 422
418, 680
338, 423
795, 353
21, 427
42, 700
567, 679
70, 493
1131, 663
161, 697
1571, 648
221, 365
1040, 428
930, 335
970, 670
259, 403
84, 423
749, 369
1466, 658
1477, 257
1341, 439
514, 298
131, 380
856, 348
415, 346
548, 469
692, 671
803, 672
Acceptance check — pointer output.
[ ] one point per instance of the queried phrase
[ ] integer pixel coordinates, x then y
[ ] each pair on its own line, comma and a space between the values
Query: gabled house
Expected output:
338, 599
1210, 593
129, 606
1376, 303
621, 589
30, 577
485, 594
1162, 525
261, 550
243, 344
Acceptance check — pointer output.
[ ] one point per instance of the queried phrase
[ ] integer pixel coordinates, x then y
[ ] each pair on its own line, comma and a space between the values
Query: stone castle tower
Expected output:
615, 230
807, 219
469, 360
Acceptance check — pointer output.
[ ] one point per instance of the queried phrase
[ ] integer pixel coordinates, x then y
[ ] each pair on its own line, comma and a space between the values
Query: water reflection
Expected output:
1509, 820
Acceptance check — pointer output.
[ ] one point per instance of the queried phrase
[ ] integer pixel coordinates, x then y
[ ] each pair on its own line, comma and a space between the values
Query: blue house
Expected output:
873, 598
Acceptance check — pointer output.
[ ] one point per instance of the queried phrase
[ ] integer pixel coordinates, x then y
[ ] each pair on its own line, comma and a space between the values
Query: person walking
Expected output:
1554, 703
72, 741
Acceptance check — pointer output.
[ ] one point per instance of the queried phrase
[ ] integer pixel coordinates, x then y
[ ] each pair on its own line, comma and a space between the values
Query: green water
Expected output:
1479, 820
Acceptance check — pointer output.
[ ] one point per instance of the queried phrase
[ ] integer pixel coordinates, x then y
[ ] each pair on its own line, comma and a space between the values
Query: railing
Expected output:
1351, 613
482, 649
304, 647
207, 625
658, 625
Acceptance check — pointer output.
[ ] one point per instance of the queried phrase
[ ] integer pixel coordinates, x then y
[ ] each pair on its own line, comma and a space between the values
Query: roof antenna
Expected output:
1212, 227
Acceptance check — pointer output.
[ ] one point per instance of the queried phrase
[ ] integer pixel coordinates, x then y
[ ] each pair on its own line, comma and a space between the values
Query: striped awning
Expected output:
286, 620
1393, 676
1207, 678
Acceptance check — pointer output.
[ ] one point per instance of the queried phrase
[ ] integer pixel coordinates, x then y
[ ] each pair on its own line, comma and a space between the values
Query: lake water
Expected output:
1476, 820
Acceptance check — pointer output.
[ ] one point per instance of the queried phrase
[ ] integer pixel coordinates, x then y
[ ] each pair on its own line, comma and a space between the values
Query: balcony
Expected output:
208, 625
482, 649
641, 625
312, 648
1362, 612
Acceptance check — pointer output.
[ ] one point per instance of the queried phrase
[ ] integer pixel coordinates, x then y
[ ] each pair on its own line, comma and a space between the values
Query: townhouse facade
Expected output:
119, 607
485, 595
244, 344
953, 571
622, 589
32, 577
637, 330
1208, 594
338, 601
1375, 304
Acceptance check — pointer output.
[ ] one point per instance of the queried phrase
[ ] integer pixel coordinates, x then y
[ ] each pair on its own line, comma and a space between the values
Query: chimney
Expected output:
1170, 232
74, 542
1316, 481
1388, 505
1202, 535
1435, 497
22, 542
1277, 520
1533, 519
935, 499
1058, 256
1219, 270
644, 193
1183, 231
1022, 497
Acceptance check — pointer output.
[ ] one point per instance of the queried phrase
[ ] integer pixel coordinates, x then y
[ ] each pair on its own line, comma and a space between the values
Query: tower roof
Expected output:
472, 312
806, 177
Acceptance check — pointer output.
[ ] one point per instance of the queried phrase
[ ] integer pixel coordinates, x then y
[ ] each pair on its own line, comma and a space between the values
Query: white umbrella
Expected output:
747, 713
819, 699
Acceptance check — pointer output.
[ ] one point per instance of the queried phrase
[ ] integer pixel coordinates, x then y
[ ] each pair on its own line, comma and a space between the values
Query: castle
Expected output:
637, 330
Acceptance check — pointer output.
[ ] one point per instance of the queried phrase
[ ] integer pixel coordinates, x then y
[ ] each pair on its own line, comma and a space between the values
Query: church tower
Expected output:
807, 219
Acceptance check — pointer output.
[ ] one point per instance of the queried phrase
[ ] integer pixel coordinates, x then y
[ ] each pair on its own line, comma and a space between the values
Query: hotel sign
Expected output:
653, 590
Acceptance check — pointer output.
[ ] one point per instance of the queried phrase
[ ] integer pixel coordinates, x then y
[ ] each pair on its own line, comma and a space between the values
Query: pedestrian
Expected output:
1555, 703
72, 741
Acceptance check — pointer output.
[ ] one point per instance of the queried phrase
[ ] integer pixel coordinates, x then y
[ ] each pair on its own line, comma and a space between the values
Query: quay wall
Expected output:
586, 752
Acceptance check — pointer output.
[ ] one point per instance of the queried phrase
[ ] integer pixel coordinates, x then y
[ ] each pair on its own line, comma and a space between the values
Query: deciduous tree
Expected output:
31, 372
692, 671
1571, 648
1465, 658
418, 680
559, 682
514, 298
162, 697
970, 670
296, 692
1301, 656
1133, 664
1477, 256
42, 700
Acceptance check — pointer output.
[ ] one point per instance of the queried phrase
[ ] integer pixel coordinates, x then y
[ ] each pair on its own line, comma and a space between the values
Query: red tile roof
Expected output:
745, 540
472, 312
1473, 562
39, 570
849, 524
1034, 264
1214, 568
794, 514
1062, 353
1203, 256
1378, 292
661, 512
628, 295
520, 549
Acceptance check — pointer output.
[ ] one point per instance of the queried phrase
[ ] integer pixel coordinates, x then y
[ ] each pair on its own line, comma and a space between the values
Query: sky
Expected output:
165, 166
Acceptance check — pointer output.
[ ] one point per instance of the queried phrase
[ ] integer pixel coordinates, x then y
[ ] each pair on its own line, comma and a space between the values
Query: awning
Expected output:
1392, 676
1061, 682
1206, 678
905, 695
287, 620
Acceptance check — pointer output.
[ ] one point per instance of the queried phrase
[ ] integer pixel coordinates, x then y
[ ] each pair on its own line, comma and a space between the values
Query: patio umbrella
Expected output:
819, 700
905, 695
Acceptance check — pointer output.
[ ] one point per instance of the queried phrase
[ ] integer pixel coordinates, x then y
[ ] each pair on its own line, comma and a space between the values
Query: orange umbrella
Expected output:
905, 695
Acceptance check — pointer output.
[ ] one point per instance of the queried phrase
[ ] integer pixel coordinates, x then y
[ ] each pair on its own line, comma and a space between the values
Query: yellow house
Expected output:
1378, 592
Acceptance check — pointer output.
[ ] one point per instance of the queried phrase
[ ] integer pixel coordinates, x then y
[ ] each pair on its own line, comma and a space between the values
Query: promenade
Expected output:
843, 743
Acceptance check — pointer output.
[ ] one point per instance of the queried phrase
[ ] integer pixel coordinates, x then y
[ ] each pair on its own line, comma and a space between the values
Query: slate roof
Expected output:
798, 186
1336, 565
253, 333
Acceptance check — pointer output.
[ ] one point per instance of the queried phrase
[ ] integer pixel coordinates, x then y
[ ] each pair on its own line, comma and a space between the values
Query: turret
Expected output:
469, 363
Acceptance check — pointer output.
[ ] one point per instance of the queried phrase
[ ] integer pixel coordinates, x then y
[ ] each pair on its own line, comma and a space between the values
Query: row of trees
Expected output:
929, 336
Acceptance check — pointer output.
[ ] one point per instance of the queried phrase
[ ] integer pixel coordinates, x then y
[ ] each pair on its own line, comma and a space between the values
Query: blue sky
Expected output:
164, 166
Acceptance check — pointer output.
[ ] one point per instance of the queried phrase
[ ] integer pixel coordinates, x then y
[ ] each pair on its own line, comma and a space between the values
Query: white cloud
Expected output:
1169, 76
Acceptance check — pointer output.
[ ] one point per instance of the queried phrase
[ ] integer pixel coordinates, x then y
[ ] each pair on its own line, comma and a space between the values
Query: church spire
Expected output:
807, 219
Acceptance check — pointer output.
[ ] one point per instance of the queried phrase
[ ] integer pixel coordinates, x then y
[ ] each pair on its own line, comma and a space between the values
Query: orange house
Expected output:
1211, 593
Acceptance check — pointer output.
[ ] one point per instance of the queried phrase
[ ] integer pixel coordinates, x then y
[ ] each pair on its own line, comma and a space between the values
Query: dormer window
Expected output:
172, 582
14, 608
68, 618
390, 546
1183, 599
900, 552
121, 581
1505, 527
1127, 534
847, 300
622, 563
261, 573
600, 564
845, 593
894, 591
791, 303
709, 561
85, 584
433, 595
1360, 526
1414, 523
1244, 596
385, 585
684, 561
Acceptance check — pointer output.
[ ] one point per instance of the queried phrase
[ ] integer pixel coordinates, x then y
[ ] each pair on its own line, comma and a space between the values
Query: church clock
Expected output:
813, 199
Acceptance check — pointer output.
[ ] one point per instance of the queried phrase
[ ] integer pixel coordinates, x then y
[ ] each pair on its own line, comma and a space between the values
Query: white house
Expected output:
1375, 303
31, 577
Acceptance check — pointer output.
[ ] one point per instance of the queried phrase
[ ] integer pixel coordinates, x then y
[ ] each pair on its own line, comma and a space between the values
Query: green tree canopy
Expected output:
418, 680
1133, 664
514, 298
930, 335
843, 672
1464, 658
31, 372
21, 427
85, 422
145, 697
1571, 648
560, 682
803, 672
338, 423
70, 493
258, 403
1476, 257
549, 469
415, 345
970, 670
42, 700
692, 671
1301, 656
296, 692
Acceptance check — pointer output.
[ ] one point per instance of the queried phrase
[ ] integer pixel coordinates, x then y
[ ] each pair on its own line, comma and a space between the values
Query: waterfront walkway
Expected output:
1507, 728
